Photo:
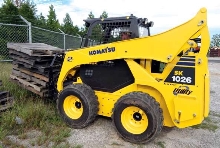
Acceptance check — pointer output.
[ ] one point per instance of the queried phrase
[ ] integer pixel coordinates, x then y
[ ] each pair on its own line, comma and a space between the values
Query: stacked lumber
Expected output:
6, 100
32, 66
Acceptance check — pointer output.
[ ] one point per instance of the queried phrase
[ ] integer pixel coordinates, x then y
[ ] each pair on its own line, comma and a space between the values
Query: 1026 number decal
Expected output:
182, 79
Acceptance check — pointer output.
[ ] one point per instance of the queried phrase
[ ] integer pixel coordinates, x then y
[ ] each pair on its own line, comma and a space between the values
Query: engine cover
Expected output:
108, 76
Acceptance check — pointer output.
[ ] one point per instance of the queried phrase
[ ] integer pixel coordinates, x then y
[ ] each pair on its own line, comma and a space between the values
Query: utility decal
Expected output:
101, 51
181, 91
182, 75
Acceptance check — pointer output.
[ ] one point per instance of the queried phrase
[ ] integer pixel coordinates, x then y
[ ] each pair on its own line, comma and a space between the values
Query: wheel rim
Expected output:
134, 120
73, 107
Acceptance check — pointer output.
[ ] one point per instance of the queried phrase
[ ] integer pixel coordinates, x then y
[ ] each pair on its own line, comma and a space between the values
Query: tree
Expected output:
9, 11
8, 8
52, 21
97, 31
68, 26
83, 30
104, 15
91, 15
215, 42
18, 2
28, 11
41, 21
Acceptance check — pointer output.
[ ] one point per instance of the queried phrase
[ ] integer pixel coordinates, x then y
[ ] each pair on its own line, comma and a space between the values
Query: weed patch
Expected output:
207, 124
8, 143
34, 114
8, 85
214, 114
161, 144
78, 146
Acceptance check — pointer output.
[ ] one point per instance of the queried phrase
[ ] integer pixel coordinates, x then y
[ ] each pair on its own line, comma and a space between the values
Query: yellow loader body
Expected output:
181, 86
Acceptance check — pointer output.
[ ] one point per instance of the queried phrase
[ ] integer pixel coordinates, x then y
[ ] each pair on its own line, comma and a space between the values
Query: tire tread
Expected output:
90, 97
155, 107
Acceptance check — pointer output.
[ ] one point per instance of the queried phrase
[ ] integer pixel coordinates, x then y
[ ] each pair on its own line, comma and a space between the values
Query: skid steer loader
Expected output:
143, 83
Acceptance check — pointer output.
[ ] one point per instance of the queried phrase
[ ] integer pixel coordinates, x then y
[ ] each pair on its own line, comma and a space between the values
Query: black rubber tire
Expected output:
151, 109
89, 101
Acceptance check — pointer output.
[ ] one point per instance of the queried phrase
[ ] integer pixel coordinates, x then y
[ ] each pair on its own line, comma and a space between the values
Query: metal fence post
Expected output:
29, 28
64, 39
64, 44
30, 34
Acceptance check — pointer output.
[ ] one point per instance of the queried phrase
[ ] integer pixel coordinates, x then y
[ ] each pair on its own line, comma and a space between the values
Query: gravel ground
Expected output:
101, 133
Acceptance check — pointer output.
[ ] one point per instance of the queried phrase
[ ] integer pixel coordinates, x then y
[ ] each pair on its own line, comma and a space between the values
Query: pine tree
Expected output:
104, 15
52, 21
9, 12
28, 11
8, 8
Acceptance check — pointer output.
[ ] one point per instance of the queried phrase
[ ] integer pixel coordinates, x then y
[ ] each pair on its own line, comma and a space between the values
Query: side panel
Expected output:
107, 100
186, 107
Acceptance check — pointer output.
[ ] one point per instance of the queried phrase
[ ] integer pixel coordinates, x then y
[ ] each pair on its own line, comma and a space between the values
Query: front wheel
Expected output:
77, 105
137, 117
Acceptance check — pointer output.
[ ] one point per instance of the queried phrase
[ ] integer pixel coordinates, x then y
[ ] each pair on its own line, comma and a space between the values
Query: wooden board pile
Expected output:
31, 66
6, 100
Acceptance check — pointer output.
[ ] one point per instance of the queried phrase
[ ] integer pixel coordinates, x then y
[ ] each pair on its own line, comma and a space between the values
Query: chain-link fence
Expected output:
18, 30
24, 32
61, 40
11, 33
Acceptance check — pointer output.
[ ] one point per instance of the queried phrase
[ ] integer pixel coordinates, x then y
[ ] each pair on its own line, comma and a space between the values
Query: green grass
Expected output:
161, 144
12, 144
8, 85
207, 124
36, 113
215, 114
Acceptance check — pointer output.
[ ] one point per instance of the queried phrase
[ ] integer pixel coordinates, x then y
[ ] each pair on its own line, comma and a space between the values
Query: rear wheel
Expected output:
137, 117
77, 105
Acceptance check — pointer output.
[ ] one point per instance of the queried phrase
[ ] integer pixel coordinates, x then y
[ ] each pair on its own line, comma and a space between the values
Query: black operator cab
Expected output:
107, 30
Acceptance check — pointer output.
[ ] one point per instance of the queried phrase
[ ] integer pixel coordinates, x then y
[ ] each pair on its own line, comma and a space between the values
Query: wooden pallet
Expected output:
43, 93
35, 49
30, 73
36, 68
28, 83
23, 60
20, 74
6, 100
13, 52
31, 66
